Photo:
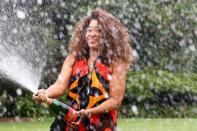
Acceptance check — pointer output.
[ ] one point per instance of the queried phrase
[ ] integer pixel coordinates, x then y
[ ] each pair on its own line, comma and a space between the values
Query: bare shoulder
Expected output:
70, 59
118, 65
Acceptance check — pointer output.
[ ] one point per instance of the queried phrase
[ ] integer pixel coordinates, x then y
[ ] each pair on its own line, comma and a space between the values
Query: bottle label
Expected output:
75, 116
71, 115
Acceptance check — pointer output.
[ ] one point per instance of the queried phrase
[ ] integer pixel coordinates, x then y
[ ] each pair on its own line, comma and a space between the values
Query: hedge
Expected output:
159, 93
149, 93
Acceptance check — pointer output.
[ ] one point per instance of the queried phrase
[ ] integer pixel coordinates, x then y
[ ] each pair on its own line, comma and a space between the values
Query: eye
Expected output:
98, 30
89, 30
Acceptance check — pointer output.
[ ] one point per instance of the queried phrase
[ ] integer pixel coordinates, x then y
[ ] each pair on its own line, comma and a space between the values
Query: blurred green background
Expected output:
163, 80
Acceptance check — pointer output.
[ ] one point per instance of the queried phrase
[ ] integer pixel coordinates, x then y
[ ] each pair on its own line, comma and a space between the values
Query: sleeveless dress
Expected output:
88, 89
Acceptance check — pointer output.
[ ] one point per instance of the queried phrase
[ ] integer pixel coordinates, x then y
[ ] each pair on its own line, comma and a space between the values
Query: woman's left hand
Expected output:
85, 113
82, 112
75, 124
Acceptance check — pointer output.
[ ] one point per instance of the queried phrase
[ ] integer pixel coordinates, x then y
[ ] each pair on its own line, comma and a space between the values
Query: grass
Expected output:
43, 124
158, 124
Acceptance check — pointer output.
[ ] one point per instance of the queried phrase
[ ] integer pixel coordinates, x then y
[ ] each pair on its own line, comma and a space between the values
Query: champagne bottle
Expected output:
68, 113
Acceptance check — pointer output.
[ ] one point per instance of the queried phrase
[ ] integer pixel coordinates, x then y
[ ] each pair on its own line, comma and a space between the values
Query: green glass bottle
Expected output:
68, 113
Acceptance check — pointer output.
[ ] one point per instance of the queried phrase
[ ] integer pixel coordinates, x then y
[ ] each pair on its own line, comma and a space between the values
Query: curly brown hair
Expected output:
116, 42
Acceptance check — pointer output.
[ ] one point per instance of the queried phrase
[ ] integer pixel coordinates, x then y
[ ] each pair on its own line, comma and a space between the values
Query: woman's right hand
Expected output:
40, 96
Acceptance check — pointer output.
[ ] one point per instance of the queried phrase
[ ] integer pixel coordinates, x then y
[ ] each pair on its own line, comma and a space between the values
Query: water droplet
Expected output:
134, 109
14, 31
54, 70
192, 47
19, 92
39, 2
109, 77
21, 14
63, 4
4, 18
135, 54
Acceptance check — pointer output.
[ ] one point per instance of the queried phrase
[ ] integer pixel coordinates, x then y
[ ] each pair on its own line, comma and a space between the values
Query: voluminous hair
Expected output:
115, 38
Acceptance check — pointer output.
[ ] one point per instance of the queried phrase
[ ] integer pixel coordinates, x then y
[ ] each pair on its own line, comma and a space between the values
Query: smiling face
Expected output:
93, 34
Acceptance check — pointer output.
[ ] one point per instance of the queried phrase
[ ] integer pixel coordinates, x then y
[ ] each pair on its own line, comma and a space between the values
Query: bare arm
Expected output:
117, 90
59, 87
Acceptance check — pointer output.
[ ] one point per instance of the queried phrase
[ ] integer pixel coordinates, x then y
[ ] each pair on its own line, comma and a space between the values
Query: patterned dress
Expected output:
88, 89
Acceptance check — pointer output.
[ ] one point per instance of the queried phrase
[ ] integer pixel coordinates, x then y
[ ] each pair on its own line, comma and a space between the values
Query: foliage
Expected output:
163, 33
159, 93
154, 92
22, 106
164, 38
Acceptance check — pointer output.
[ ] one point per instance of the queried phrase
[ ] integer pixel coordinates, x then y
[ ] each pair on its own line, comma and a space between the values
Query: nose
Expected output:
92, 33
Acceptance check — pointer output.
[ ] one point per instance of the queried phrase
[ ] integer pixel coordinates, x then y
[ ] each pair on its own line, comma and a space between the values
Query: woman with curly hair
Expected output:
94, 73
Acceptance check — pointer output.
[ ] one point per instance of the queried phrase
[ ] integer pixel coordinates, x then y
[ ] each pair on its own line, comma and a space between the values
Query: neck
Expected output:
94, 53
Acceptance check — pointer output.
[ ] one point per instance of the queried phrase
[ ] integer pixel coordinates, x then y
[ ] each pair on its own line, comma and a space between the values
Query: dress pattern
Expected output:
88, 89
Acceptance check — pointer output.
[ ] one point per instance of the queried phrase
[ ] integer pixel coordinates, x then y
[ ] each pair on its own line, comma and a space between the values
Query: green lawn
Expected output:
123, 125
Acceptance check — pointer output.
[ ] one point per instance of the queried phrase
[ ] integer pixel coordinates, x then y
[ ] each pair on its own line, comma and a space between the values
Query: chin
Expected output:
92, 46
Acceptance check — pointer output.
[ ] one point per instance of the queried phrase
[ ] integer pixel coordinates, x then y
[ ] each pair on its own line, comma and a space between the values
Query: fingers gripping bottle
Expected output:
64, 110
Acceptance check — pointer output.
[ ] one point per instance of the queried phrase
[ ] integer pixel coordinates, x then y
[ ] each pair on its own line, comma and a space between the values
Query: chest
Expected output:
82, 68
